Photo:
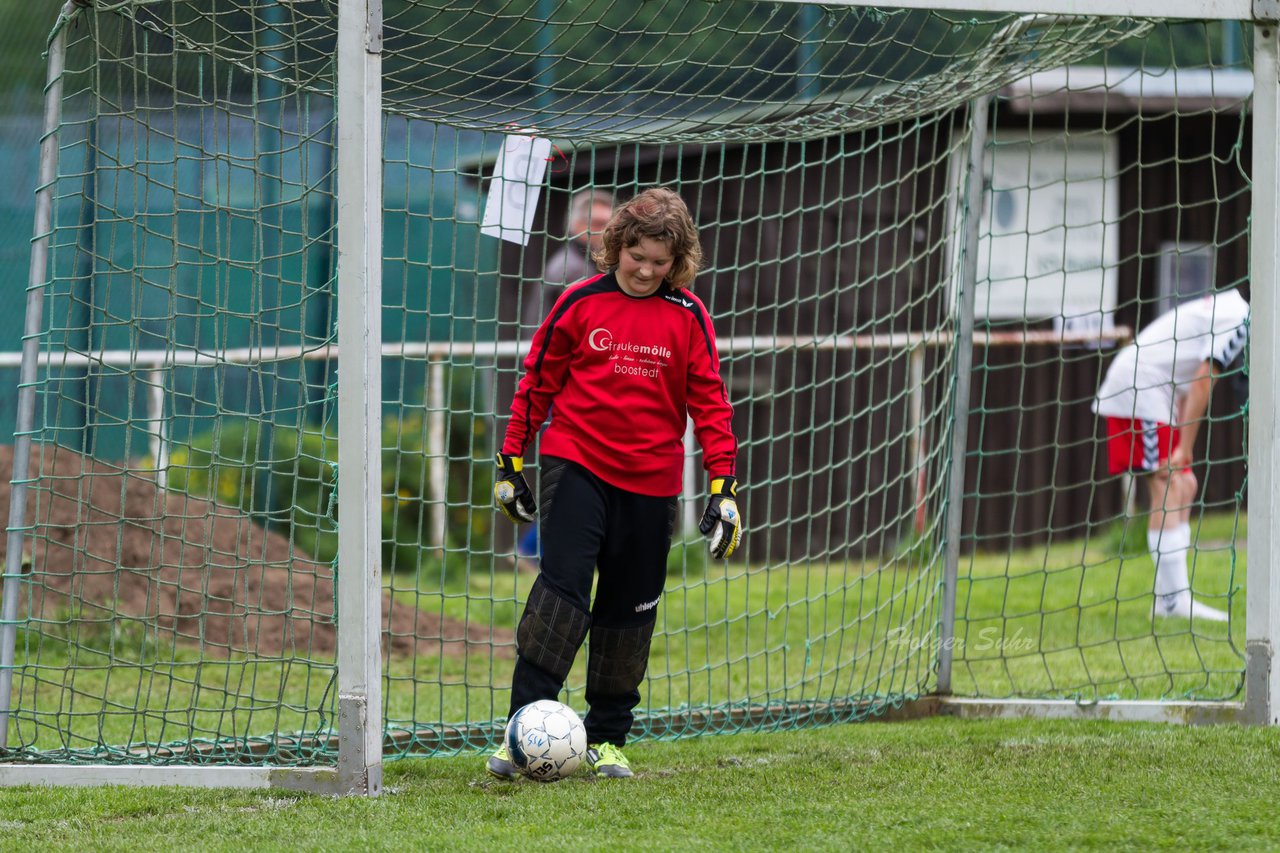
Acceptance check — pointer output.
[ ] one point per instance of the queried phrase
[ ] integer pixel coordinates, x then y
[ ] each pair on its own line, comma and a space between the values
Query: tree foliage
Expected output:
739, 50
27, 24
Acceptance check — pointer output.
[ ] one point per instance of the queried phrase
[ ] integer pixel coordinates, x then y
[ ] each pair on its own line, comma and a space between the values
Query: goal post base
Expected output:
1186, 713
312, 780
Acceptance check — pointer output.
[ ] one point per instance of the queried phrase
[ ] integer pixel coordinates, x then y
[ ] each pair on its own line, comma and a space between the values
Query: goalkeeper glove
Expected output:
721, 522
511, 493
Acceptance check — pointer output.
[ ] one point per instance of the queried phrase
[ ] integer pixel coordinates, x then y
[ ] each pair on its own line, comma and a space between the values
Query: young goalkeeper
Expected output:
1154, 397
626, 357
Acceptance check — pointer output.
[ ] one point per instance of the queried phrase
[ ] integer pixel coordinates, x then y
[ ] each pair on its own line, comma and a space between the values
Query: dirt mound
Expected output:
107, 542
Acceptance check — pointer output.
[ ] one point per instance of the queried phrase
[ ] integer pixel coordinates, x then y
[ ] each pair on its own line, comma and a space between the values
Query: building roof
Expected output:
1074, 88
1095, 88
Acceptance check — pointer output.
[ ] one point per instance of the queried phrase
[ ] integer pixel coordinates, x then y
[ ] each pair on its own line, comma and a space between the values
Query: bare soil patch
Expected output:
108, 543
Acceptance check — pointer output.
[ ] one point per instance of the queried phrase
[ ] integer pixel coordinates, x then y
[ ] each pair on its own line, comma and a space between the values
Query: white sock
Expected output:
1169, 552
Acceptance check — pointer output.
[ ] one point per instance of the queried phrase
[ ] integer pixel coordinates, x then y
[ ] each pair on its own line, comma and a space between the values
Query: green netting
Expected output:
179, 598
589, 70
1139, 204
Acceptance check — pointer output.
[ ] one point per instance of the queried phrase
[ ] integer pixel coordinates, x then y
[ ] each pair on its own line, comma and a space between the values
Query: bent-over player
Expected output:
1154, 397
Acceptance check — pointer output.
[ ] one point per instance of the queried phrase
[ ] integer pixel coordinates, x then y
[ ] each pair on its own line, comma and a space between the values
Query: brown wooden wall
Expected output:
844, 236
1037, 465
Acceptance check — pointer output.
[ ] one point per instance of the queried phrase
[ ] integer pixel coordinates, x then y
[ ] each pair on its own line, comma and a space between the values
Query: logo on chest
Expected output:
630, 357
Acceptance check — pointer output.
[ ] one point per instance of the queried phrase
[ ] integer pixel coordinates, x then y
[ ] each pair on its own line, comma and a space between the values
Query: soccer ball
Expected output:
547, 740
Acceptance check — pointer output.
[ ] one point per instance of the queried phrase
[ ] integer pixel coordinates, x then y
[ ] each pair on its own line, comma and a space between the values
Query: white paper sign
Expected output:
1049, 236
1050, 227
514, 188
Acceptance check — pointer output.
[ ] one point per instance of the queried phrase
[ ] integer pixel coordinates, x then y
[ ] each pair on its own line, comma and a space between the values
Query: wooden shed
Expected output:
849, 237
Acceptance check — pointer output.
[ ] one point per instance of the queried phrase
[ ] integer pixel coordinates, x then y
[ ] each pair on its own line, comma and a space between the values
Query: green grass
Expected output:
933, 784
1073, 620
1070, 620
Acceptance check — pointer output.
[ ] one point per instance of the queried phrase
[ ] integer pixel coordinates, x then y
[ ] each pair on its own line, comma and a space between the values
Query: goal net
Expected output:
928, 233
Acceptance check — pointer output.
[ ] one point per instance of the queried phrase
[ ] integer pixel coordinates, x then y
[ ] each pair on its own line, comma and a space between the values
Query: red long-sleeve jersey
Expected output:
623, 373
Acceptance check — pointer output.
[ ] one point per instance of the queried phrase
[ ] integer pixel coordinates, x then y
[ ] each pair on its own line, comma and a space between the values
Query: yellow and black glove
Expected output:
511, 493
721, 522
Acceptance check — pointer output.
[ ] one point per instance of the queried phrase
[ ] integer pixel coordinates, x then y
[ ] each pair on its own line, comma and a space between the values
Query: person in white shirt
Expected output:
1154, 398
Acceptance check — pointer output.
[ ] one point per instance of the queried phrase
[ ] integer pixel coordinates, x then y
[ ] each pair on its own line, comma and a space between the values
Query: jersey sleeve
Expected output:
545, 369
708, 400
1224, 348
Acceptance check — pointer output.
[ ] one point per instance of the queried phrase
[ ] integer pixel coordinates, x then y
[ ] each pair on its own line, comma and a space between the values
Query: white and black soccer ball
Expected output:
546, 740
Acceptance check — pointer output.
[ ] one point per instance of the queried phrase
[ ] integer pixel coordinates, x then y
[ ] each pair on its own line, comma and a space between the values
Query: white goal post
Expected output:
359, 579
359, 260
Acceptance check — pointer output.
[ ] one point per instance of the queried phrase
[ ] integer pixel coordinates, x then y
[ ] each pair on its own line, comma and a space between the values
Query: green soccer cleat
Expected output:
607, 760
500, 765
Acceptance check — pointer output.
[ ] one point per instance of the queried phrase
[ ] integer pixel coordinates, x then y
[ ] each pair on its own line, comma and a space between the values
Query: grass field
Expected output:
933, 784
1071, 620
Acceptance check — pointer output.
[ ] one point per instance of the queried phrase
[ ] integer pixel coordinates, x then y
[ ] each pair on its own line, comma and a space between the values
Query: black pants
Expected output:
588, 524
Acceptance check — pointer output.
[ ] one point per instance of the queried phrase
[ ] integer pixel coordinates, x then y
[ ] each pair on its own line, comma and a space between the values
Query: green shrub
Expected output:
290, 485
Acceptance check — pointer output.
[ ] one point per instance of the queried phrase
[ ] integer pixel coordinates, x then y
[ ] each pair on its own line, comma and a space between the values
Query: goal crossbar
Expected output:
1226, 10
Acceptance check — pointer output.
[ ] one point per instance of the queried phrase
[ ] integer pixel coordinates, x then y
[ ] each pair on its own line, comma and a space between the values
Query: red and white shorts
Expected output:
1138, 446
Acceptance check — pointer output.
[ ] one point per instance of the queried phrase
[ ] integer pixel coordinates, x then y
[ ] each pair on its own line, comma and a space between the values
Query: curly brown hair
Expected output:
659, 214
